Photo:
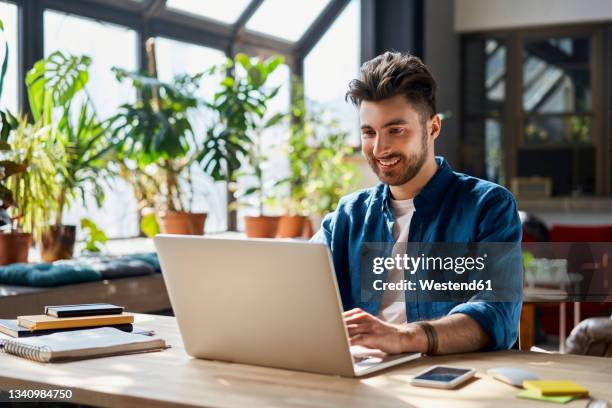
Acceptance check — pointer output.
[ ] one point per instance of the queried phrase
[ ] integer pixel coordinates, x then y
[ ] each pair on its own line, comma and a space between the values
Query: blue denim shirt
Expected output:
452, 207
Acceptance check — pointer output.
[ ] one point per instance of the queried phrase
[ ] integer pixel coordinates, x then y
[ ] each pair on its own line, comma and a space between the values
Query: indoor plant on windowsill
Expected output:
54, 84
319, 172
14, 245
156, 146
261, 193
328, 175
29, 194
242, 107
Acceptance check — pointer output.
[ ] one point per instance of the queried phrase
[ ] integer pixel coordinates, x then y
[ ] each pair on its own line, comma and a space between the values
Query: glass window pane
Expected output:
494, 151
555, 130
482, 149
8, 100
107, 45
576, 175
326, 87
273, 145
556, 76
286, 19
174, 58
226, 11
485, 77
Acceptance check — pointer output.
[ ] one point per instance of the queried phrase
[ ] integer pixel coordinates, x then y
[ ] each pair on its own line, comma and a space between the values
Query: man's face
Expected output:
393, 139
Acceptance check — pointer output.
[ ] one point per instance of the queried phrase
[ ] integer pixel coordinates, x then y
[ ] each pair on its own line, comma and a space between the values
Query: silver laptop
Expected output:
263, 302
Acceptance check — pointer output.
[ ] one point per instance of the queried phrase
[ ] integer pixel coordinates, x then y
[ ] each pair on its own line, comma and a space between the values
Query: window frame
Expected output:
600, 35
150, 18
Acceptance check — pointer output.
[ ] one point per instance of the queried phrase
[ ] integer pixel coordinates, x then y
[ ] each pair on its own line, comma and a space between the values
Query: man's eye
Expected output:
368, 133
396, 130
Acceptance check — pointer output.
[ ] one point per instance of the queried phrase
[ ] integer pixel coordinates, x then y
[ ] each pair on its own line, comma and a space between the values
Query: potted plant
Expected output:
156, 147
28, 188
300, 151
320, 173
14, 245
261, 193
53, 84
242, 107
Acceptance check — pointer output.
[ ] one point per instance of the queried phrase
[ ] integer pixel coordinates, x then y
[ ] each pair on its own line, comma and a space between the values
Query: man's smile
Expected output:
388, 162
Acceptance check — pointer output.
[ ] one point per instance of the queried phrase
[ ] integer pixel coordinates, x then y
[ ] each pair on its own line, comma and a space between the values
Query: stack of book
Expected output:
76, 331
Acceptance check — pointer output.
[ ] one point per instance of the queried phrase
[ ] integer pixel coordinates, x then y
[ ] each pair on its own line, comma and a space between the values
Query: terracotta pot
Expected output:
261, 227
58, 243
308, 230
14, 247
290, 226
182, 223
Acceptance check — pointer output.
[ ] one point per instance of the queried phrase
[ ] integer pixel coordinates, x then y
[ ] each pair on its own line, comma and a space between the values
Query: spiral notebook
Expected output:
81, 344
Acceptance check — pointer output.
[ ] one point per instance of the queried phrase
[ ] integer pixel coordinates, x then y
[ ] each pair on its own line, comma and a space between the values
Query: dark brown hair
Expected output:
392, 74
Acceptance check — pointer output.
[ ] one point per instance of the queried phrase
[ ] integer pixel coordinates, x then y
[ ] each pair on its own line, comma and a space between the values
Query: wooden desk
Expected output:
171, 378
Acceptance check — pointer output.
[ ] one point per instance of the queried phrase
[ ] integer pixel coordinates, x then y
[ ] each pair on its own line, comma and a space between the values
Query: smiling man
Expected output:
420, 199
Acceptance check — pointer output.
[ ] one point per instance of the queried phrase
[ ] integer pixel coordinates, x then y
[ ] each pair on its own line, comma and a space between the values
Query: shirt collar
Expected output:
433, 192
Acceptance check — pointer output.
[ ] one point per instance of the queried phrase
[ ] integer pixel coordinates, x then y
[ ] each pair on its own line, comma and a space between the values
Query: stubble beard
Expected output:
407, 168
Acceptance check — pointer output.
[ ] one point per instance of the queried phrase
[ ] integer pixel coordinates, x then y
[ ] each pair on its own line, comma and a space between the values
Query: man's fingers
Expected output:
355, 329
358, 317
365, 340
352, 312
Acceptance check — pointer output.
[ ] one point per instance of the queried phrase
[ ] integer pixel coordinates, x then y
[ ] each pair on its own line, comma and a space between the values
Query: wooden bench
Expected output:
144, 294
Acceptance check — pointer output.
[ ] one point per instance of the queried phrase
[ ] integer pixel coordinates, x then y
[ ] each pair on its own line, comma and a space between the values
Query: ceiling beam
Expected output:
320, 26
118, 12
153, 8
169, 23
245, 16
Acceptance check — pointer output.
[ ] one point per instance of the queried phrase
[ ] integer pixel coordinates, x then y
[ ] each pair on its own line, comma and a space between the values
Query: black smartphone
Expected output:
90, 309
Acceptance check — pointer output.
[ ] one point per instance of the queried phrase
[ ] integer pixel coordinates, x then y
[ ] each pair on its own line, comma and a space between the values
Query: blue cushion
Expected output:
47, 274
80, 270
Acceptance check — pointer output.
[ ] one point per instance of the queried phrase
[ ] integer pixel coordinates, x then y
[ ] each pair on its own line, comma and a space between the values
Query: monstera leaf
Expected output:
53, 82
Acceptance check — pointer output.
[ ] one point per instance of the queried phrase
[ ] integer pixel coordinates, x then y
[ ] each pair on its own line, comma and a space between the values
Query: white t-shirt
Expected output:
393, 305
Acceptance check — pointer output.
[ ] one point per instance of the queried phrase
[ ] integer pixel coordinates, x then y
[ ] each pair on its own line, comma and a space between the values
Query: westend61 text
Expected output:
430, 284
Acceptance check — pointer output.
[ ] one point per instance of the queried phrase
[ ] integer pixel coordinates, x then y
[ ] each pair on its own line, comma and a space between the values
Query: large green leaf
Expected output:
54, 81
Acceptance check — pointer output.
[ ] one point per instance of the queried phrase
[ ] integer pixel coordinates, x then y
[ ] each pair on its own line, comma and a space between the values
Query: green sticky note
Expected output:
533, 394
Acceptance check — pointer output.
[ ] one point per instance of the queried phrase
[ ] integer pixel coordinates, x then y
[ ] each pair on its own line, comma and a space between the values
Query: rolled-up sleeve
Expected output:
324, 234
499, 222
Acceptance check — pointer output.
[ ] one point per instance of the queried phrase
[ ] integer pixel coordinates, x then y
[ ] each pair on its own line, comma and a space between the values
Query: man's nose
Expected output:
381, 146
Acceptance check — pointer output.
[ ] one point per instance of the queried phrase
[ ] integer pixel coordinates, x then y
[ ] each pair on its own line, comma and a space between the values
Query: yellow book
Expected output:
555, 387
45, 322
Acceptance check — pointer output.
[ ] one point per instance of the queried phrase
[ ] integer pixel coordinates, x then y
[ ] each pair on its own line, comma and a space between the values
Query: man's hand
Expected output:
369, 331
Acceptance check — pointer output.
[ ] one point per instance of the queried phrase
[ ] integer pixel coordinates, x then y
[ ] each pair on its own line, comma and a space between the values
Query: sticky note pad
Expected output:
535, 395
547, 388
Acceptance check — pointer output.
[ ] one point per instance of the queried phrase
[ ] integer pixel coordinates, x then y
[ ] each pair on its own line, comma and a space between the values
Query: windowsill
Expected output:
126, 246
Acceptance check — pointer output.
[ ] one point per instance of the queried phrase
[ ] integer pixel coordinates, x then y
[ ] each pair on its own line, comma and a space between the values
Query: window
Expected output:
273, 146
329, 68
484, 99
286, 19
8, 100
558, 113
173, 58
106, 44
541, 118
226, 11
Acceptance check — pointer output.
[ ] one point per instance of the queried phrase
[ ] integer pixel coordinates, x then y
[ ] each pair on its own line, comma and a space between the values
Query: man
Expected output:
420, 199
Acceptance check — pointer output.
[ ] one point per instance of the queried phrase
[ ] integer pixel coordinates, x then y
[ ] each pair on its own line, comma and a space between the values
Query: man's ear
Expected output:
434, 125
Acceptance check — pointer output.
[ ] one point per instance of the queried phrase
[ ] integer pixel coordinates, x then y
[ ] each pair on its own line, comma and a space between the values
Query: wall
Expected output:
442, 55
481, 15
